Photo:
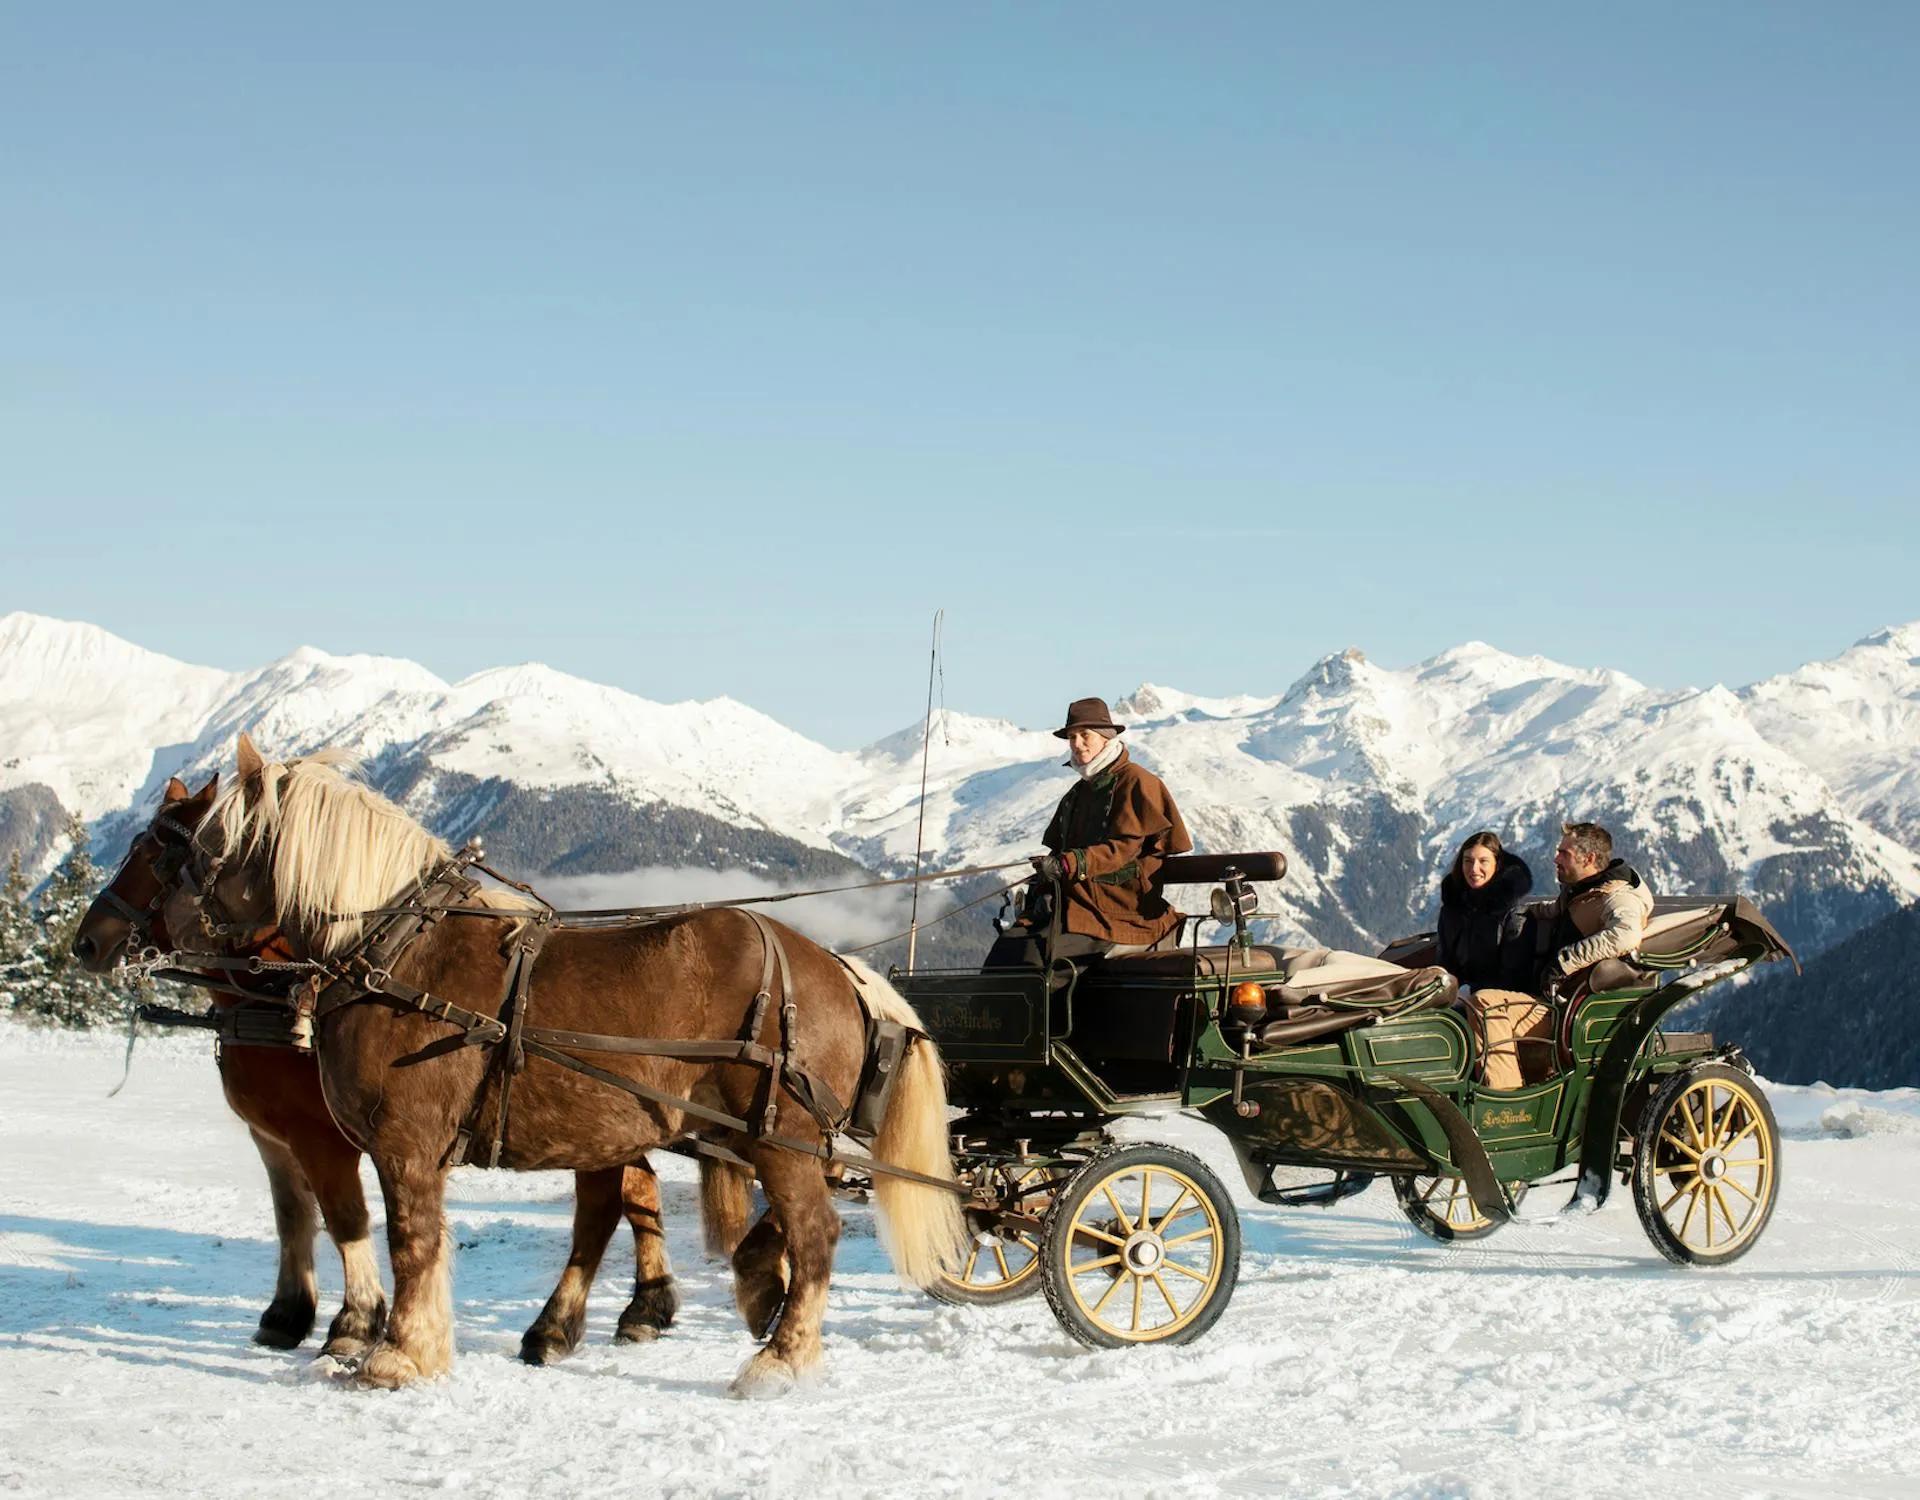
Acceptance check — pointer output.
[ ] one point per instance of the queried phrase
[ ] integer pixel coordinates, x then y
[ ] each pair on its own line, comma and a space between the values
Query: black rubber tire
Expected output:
1658, 1163
1059, 1240
1419, 1212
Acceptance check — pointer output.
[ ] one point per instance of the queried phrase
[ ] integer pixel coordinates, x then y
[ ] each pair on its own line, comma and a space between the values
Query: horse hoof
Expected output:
762, 1378
387, 1368
285, 1324
344, 1350
542, 1347
649, 1315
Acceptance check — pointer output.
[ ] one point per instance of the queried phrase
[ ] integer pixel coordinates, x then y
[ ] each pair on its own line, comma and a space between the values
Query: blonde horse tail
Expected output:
920, 1225
726, 1202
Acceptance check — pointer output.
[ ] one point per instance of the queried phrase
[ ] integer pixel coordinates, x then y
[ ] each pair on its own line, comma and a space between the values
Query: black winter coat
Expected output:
1483, 937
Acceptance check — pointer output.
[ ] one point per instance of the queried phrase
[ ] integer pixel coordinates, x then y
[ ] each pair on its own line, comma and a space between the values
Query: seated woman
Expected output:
1484, 943
1481, 921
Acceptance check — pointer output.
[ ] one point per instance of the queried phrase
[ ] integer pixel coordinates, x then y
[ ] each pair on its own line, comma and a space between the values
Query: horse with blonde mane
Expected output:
275, 1090
302, 847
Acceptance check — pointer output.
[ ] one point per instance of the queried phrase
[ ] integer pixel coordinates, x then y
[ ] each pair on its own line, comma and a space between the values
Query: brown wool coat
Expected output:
1119, 827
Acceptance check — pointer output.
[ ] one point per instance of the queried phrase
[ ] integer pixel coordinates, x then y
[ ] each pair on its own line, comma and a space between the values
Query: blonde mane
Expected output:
337, 845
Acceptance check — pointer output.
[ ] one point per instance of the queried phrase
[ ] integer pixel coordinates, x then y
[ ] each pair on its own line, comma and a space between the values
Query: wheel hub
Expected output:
1713, 1166
1143, 1253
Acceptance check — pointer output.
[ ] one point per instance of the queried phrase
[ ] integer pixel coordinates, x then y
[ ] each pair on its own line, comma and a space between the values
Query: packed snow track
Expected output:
1357, 1358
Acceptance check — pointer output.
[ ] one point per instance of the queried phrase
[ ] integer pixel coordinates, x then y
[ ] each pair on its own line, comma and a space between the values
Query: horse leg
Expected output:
332, 1165
418, 1342
296, 1293
596, 1210
760, 1275
654, 1302
797, 1196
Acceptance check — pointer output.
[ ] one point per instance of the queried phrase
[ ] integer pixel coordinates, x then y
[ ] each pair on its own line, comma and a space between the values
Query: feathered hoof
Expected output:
345, 1349
544, 1346
286, 1323
649, 1315
387, 1368
763, 1378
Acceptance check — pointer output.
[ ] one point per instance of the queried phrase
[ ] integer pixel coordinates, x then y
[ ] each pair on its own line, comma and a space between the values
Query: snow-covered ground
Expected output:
1356, 1358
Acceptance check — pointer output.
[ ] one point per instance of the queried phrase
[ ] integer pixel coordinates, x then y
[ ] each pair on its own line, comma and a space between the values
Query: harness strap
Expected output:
511, 1060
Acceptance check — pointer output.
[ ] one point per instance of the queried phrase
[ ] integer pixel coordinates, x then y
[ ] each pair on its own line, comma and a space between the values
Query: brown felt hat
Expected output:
1089, 713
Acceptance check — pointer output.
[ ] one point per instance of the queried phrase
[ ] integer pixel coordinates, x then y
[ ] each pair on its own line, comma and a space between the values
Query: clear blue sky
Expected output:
706, 349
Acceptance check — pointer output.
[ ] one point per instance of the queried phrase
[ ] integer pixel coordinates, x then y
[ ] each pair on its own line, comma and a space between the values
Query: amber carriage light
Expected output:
1247, 1002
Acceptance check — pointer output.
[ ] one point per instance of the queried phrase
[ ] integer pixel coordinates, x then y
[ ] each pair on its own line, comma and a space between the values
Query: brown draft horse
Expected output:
276, 1092
301, 847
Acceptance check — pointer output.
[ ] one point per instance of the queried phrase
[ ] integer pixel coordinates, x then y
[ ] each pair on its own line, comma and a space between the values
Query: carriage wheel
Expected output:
1706, 1166
1142, 1246
1442, 1209
1003, 1261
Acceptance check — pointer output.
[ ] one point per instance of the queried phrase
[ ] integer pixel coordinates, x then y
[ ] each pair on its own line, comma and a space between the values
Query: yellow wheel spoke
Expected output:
1119, 1212
973, 1259
1146, 1197
1195, 1207
1166, 1296
1139, 1290
1027, 1242
1097, 1234
1734, 1102
1693, 1202
1432, 1188
1186, 1239
1687, 1167
1000, 1257
1677, 1194
1095, 1265
1185, 1193
1105, 1296
1679, 1145
1745, 1131
1728, 1182
1747, 1161
1693, 1125
1174, 1265
1720, 1199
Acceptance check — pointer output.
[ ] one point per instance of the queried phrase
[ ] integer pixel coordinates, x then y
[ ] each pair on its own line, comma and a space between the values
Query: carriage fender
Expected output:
1600, 1137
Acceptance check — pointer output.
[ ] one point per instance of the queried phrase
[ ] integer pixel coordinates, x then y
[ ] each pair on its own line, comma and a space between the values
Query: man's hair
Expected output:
1589, 839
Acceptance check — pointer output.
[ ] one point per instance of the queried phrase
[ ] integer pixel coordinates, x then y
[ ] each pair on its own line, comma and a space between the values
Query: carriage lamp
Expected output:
1247, 1004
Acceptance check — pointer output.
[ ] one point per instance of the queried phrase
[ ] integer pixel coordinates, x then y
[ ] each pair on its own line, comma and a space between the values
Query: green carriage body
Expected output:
1042, 1064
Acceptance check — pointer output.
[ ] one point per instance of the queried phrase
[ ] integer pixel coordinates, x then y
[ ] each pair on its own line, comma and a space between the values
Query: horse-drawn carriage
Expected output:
1356, 1065
403, 1006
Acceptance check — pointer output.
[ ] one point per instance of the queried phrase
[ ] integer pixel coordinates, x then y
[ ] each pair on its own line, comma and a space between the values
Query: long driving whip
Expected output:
920, 829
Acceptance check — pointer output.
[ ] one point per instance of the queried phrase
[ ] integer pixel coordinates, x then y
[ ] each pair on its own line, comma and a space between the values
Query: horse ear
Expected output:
205, 794
251, 761
176, 791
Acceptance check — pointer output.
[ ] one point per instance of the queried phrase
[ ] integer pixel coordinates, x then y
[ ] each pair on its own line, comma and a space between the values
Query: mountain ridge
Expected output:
1797, 788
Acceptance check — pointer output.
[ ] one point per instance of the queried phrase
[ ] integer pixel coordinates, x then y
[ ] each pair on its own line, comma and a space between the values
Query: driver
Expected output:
1111, 833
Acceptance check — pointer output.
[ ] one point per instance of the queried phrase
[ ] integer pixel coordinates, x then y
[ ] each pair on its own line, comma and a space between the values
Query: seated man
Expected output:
1111, 833
1601, 913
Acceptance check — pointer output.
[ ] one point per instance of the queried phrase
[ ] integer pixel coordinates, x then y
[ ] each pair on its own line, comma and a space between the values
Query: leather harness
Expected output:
365, 974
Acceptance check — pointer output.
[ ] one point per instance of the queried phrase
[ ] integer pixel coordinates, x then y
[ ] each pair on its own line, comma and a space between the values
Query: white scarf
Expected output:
1109, 753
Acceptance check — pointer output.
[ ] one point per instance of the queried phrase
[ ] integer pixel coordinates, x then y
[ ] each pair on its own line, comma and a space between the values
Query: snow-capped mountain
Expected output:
1802, 790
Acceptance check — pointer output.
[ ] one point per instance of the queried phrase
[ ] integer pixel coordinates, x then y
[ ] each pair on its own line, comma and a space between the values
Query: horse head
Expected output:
126, 915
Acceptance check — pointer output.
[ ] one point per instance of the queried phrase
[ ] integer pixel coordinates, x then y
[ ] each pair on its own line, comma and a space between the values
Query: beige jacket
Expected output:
1603, 916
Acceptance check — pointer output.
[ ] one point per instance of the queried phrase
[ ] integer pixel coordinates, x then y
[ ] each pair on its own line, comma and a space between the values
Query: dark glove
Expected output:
1053, 866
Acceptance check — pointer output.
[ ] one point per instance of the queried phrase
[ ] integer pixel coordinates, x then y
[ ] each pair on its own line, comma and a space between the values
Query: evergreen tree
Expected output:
44, 981
16, 918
